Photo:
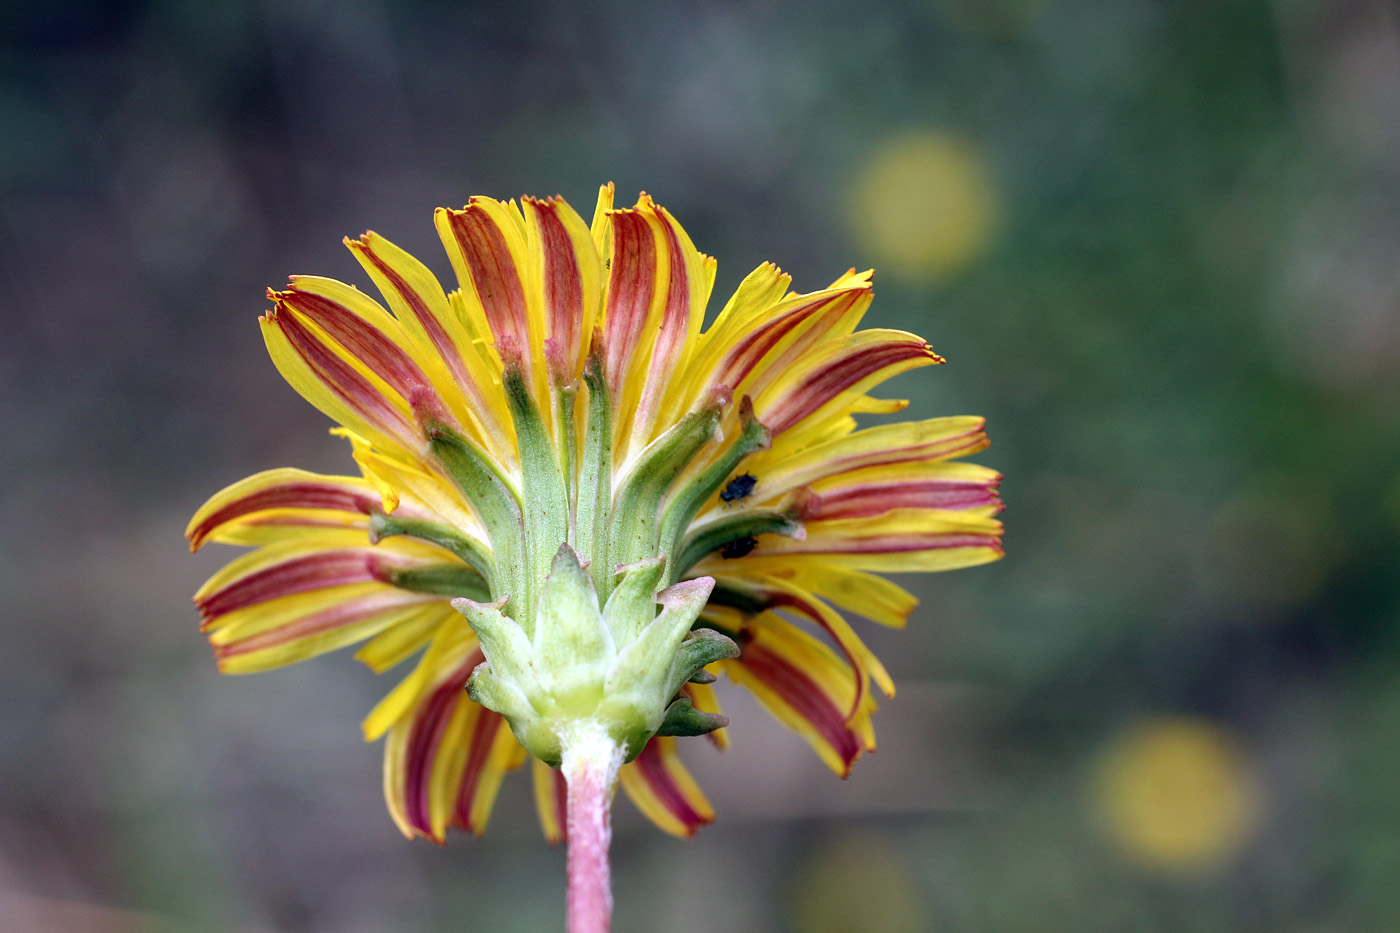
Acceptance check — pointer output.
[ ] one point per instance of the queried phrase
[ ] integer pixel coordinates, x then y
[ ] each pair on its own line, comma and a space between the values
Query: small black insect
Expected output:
740, 487
738, 547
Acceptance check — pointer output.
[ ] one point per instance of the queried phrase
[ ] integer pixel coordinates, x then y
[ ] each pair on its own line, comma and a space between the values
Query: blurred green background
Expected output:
1157, 242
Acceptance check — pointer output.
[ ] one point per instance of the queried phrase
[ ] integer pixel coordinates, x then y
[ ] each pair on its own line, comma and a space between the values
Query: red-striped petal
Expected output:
631, 291
377, 604
345, 382
663, 789
482, 246
871, 498
314, 571
803, 684
868, 357
359, 337
281, 489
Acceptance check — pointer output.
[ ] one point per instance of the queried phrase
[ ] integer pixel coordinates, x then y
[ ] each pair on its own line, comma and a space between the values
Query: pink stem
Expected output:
590, 767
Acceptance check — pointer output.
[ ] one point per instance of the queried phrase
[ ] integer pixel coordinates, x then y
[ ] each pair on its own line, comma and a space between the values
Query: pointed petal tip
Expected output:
686, 591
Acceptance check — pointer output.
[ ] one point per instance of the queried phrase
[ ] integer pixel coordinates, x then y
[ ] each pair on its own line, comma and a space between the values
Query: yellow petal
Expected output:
551, 800
398, 642
565, 280
661, 787
806, 687
287, 492
436, 338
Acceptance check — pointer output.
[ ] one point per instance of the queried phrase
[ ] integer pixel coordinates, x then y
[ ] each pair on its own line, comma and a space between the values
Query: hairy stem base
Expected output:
590, 764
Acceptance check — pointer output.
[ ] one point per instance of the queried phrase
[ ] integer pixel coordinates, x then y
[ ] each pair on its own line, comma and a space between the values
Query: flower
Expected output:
1177, 795
553, 450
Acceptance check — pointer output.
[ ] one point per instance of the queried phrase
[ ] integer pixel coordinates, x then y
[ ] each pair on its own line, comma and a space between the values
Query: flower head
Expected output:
575, 504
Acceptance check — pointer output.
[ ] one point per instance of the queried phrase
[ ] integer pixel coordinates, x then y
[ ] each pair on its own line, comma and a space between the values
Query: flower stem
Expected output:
591, 760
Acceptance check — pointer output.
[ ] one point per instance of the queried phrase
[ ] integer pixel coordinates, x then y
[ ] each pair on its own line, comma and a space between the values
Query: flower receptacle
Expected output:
620, 668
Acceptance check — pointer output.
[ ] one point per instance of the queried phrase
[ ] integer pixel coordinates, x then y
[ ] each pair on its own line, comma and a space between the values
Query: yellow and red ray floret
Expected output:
866, 484
845, 371
898, 541
486, 242
757, 357
785, 467
294, 628
347, 393
312, 592
273, 572
750, 304
865, 594
795, 328
661, 787
566, 275
277, 504
322, 559
777, 593
406, 637
801, 682
445, 756
441, 342
955, 487
551, 801
409, 490
759, 317
363, 351
639, 265
677, 315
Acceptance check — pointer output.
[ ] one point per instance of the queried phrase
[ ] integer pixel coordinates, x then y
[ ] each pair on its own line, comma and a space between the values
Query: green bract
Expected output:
603, 639
620, 667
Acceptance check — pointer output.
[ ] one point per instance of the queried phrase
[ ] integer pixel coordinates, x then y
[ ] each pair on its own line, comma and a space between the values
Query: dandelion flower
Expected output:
577, 507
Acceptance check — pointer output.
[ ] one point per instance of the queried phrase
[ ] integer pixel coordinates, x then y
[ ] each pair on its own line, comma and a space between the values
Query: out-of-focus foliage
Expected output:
1156, 242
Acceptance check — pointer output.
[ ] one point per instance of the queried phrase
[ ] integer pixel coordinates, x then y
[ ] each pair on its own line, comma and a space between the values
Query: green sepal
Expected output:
508, 651
636, 517
494, 502
703, 647
686, 502
639, 686
570, 671
440, 580
702, 676
564, 398
544, 503
594, 497
498, 695
473, 552
535, 733
730, 528
632, 605
571, 641
636, 670
682, 718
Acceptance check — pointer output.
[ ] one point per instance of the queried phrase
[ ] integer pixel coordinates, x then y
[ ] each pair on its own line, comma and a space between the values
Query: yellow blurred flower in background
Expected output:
924, 205
857, 882
1176, 795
